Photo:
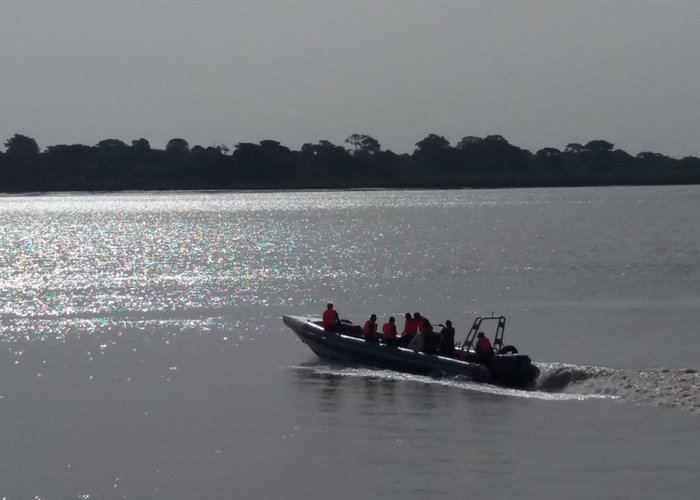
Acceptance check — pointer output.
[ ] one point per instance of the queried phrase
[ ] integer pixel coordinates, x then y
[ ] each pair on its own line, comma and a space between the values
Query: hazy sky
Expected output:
539, 72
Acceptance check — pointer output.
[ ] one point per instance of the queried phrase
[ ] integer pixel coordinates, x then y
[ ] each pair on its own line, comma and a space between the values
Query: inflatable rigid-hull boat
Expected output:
511, 369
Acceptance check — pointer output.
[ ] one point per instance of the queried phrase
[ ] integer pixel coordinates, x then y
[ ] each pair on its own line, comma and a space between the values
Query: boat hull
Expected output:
349, 348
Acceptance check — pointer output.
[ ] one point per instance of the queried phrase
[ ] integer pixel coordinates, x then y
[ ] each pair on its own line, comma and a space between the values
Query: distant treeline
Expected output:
474, 162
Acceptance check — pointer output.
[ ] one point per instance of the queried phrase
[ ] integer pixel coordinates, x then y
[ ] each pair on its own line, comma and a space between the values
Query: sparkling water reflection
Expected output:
142, 353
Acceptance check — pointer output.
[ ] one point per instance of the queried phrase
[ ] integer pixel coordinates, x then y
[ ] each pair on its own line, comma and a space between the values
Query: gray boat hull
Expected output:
503, 370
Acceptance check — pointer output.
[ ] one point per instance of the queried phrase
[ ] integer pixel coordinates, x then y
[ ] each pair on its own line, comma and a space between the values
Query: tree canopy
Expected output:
21, 145
492, 161
177, 146
364, 143
432, 143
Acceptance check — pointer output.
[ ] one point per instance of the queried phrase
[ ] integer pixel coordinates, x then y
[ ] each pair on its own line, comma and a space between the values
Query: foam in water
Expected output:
457, 382
659, 387
565, 382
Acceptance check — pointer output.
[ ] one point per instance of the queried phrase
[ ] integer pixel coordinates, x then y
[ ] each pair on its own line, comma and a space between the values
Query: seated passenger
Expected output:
331, 320
483, 347
447, 340
369, 332
389, 332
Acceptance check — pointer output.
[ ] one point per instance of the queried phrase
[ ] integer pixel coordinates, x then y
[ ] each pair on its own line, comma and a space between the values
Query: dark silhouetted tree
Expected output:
141, 145
496, 139
111, 144
547, 153
432, 143
468, 141
574, 147
489, 162
177, 145
649, 156
21, 145
364, 144
599, 146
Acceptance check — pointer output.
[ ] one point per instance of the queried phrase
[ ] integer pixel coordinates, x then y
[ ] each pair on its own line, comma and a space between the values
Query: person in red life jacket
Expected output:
389, 332
369, 332
331, 320
410, 328
430, 338
417, 342
424, 325
447, 340
483, 347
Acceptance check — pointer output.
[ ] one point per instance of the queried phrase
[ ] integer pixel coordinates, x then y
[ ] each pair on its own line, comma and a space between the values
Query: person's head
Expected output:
330, 305
408, 315
373, 317
416, 315
448, 323
480, 334
391, 319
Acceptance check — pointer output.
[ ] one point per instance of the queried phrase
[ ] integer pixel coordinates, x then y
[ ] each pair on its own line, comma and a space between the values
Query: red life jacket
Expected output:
330, 319
370, 330
483, 346
389, 331
411, 327
425, 326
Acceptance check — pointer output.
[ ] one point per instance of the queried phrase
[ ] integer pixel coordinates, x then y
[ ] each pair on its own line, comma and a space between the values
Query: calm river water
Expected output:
143, 356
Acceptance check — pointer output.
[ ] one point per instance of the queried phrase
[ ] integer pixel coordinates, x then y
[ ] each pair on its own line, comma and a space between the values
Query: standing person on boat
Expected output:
389, 332
331, 320
430, 338
410, 328
430, 342
447, 340
483, 347
424, 325
423, 340
416, 343
369, 332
